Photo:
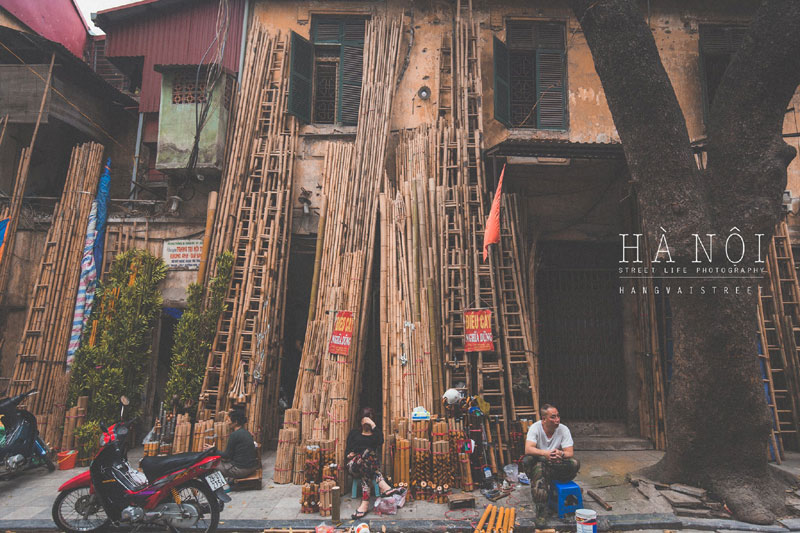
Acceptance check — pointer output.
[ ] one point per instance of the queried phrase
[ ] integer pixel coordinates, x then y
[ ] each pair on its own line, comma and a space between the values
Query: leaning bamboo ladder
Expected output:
42, 352
254, 220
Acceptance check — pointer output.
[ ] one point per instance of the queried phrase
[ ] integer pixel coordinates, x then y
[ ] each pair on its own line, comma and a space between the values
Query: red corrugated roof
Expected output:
55, 20
177, 32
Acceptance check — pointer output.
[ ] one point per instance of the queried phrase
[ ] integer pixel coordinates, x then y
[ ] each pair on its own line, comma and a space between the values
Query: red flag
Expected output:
491, 233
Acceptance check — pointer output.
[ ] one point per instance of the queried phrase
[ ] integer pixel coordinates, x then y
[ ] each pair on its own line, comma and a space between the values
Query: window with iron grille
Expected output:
530, 76
717, 46
326, 71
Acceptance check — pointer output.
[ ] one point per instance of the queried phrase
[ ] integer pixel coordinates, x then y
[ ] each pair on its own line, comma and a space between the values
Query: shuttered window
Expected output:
717, 46
326, 72
530, 76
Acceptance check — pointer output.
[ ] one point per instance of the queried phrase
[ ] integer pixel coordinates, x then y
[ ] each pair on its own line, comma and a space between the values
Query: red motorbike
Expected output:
182, 491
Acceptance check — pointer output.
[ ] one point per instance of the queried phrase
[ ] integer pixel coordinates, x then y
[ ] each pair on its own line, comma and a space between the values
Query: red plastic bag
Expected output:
386, 505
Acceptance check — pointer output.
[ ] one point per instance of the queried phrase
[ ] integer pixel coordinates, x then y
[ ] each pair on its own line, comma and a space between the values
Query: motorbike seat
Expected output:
155, 467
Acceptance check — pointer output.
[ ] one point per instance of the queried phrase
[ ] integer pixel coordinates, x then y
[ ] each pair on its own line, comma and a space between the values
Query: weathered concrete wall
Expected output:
675, 25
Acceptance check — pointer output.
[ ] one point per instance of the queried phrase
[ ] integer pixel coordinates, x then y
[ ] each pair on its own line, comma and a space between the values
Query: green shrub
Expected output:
194, 335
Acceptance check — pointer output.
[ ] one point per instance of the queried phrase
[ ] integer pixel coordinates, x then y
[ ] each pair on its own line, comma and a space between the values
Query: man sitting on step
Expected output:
549, 453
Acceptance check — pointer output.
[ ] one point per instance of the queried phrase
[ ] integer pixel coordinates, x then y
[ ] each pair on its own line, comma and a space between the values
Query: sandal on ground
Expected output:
358, 515
392, 492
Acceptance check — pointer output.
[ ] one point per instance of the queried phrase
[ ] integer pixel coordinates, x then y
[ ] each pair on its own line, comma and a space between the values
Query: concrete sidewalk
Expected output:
25, 503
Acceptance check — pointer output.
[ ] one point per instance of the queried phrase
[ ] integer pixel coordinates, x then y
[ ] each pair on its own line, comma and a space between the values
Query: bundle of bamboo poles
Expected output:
327, 452
409, 295
497, 520
74, 419
455, 437
325, 503
43, 347
312, 471
421, 468
309, 498
465, 471
320, 428
292, 419
298, 476
254, 221
183, 434
203, 435
309, 410
342, 280
442, 468
284, 461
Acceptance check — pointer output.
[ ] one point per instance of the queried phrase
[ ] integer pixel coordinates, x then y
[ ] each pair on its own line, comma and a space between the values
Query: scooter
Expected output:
21, 448
182, 491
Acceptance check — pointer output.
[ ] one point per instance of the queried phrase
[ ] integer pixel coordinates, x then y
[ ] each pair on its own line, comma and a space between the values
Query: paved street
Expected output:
25, 502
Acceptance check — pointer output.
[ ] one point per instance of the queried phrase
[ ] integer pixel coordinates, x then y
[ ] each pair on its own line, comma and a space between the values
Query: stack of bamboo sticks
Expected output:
497, 520
402, 461
254, 221
74, 419
343, 267
183, 433
42, 354
287, 441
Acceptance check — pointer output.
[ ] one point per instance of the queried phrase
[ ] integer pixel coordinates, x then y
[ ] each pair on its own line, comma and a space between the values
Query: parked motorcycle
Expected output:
182, 491
20, 445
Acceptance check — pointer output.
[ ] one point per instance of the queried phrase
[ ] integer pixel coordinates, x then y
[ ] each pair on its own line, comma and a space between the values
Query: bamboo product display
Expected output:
327, 452
299, 477
466, 472
309, 410
402, 460
330, 472
352, 174
421, 468
325, 502
183, 434
284, 460
309, 498
442, 468
311, 469
455, 438
320, 431
421, 429
254, 221
291, 419
42, 350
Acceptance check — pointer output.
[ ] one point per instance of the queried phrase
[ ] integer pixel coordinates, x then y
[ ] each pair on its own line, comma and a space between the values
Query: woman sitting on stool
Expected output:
361, 454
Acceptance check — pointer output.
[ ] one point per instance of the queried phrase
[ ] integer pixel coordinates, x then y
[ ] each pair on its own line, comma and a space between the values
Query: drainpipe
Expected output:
132, 193
244, 42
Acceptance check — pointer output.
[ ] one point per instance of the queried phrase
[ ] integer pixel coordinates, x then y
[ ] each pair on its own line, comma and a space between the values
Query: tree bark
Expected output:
717, 419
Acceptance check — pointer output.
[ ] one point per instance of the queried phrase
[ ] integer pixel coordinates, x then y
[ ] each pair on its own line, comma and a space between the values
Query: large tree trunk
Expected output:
717, 419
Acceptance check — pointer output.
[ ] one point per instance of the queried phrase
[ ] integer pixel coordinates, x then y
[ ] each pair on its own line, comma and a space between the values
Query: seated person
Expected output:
239, 460
549, 453
361, 455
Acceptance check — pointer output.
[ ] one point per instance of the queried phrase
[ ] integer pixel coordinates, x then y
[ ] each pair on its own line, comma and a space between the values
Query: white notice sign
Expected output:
183, 255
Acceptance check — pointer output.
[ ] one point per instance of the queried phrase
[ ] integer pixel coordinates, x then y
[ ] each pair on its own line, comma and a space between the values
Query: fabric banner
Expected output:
491, 233
102, 215
342, 333
3, 229
86, 288
478, 331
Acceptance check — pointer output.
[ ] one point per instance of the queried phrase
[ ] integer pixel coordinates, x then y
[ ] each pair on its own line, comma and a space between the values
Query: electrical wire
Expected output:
214, 73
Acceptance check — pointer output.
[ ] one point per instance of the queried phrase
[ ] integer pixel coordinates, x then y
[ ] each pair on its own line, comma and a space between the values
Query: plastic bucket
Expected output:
585, 521
66, 460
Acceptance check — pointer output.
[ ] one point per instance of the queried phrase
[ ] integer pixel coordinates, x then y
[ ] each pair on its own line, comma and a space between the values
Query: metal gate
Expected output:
580, 332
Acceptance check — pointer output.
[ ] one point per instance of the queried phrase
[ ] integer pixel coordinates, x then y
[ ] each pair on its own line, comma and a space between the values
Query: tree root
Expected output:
754, 497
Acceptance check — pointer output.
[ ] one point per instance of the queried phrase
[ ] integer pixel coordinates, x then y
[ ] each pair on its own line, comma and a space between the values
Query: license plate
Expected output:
215, 480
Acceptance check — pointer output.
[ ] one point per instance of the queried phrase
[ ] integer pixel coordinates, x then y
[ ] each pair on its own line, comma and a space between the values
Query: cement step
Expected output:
605, 436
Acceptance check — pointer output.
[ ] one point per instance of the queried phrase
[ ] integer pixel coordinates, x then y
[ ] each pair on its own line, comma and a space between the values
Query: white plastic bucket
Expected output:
585, 521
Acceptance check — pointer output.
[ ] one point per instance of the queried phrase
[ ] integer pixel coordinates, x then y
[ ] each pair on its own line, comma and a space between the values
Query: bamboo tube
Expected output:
335, 504
511, 520
299, 465
484, 518
284, 461
492, 517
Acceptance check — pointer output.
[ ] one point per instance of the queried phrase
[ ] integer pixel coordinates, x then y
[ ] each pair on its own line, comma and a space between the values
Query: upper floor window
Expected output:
717, 46
530, 76
326, 72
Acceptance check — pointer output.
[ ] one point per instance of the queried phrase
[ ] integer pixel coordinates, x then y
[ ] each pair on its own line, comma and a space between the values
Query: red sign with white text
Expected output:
478, 331
342, 333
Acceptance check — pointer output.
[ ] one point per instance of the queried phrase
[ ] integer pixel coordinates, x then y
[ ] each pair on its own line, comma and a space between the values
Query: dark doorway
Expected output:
166, 338
580, 331
298, 295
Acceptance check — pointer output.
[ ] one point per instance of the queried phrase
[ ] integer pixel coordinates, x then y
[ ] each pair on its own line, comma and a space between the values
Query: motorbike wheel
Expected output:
79, 511
49, 464
199, 493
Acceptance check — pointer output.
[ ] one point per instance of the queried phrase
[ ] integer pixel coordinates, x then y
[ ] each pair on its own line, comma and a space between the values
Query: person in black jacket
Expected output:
361, 455
239, 459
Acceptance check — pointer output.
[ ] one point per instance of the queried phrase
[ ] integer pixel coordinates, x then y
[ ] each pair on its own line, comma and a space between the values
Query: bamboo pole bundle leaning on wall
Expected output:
43, 346
254, 220
284, 461
352, 175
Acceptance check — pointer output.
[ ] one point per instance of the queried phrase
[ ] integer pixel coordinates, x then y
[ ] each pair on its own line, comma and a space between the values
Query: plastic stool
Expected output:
357, 484
565, 497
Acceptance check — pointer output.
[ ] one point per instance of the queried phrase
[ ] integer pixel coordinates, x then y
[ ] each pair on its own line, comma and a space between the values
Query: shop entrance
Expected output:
580, 331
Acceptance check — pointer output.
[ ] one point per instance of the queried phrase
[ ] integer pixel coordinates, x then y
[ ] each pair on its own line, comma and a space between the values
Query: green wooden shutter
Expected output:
502, 83
550, 90
351, 71
301, 72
